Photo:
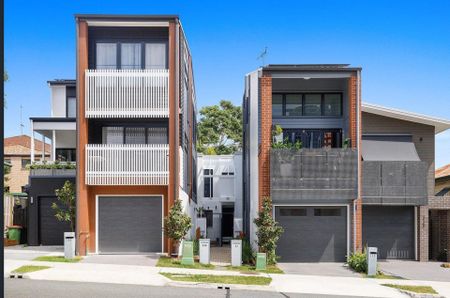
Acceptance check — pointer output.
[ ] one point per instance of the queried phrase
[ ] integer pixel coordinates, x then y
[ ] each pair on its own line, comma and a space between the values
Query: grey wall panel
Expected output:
391, 229
51, 230
129, 224
312, 238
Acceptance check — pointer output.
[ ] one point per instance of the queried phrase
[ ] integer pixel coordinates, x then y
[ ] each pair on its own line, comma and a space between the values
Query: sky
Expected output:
402, 46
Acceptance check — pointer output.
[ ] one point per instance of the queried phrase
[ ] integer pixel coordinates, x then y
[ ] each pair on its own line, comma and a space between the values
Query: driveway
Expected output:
21, 252
431, 271
135, 260
320, 269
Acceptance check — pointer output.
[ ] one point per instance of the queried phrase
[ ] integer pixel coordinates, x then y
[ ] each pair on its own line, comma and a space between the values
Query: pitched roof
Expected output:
25, 141
442, 172
439, 124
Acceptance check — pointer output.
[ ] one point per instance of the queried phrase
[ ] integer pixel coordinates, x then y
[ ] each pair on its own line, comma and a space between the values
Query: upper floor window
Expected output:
208, 183
127, 55
64, 154
134, 135
71, 107
306, 105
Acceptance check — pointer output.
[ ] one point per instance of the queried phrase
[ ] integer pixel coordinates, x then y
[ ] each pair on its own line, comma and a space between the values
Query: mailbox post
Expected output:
69, 245
204, 250
236, 253
372, 261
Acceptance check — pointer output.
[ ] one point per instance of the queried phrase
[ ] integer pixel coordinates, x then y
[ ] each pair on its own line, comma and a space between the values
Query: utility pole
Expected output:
21, 122
262, 56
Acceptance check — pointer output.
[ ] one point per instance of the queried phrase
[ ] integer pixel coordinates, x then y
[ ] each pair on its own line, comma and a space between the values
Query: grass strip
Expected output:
57, 259
381, 275
219, 279
29, 268
176, 263
273, 269
415, 289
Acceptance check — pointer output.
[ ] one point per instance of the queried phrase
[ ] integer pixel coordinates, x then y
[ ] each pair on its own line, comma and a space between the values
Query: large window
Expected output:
208, 183
306, 105
128, 55
64, 154
315, 138
134, 135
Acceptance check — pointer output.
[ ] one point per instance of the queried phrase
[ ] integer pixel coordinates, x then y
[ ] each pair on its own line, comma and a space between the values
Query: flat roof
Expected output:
53, 119
124, 17
65, 82
310, 67
439, 124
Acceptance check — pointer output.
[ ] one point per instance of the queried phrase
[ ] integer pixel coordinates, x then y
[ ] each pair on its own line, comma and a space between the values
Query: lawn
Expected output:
220, 279
252, 269
415, 289
29, 268
58, 259
381, 275
173, 262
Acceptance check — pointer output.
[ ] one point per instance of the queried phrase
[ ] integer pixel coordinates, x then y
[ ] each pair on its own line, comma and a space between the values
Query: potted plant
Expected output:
176, 225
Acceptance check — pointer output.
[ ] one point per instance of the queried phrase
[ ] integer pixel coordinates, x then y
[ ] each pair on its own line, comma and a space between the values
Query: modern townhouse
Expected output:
60, 131
220, 196
364, 173
136, 131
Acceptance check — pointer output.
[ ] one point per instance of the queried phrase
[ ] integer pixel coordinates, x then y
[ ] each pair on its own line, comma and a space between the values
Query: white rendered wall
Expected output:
58, 101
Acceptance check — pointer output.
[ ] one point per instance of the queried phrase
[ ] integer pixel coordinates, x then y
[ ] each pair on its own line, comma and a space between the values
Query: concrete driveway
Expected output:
135, 260
431, 271
21, 252
320, 269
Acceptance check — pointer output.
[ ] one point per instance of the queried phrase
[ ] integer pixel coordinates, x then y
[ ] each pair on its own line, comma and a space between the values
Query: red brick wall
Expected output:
265, 83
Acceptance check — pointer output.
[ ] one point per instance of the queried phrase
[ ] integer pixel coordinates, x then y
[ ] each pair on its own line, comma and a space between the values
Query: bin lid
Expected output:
15, 227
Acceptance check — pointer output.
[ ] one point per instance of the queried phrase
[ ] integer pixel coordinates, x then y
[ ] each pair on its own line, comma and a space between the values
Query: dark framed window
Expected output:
25, 162
307, 105
130, 56
315, 138
292, 211
106, 55
209, 218
71, 107
66, 154
327, 211
208, 185
134, 135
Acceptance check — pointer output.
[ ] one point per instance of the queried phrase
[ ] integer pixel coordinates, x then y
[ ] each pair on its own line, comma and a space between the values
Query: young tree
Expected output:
220, 129
269, 231
65, 210
176, 223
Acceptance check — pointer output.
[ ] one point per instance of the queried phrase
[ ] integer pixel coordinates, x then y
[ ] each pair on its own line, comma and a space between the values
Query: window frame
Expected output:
322, 104
67, 106
208, 176
146, 130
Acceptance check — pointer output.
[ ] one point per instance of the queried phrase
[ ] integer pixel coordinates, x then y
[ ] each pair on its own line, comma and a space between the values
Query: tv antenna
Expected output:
21, 122
262, 56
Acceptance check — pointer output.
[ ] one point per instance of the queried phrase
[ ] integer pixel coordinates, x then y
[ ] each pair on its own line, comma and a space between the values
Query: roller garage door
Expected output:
312, 234
51, 231
129, 224
391, 229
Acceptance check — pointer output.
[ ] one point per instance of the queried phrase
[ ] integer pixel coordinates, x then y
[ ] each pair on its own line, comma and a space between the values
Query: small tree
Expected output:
65, 210
269, 231
177, 223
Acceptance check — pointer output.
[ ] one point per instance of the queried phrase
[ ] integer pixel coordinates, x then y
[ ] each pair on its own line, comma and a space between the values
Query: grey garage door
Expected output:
312, 234
129, 224
391, 229
51, 231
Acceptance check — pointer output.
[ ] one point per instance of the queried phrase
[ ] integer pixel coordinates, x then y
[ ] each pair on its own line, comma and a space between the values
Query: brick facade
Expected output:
422, 230
266, 136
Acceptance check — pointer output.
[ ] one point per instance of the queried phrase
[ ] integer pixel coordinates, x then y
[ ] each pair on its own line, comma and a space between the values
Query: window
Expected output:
208, 191
293, 105
157, 135
112, 135
155, 56
209, 218
315, 138
313, 104
327, 212
332, 105
135, 135
106, 56
68, 155
277, 105
292, 212
7, 161
130, 56
25, 162
71, 107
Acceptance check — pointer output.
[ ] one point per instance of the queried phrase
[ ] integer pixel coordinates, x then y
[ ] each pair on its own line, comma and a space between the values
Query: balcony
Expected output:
127, 93
313, 175
130, 164
52, 168
394, 182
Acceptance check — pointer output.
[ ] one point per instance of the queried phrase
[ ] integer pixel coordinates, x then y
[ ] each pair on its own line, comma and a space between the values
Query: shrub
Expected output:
66, 209
248, 255
269, 231
177, 223
196, 247
358, 262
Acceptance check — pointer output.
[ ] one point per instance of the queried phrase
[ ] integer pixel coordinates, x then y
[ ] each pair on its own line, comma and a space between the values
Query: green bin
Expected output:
14, 233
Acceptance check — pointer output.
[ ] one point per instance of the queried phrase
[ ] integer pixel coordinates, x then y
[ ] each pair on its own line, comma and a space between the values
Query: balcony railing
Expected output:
313, 174
108, 164
394, 182
127, 93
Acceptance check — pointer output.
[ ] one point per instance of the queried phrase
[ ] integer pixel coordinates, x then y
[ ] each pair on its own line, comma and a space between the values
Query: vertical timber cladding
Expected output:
173, 121
265, 83
82, 221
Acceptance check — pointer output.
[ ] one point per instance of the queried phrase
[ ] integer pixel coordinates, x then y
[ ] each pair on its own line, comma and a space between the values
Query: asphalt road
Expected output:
19, 288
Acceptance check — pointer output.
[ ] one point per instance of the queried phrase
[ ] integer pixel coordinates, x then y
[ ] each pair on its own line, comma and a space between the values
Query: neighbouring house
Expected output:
135, 131
363, 175
220, 196
442, 182
17, 152
59, 130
